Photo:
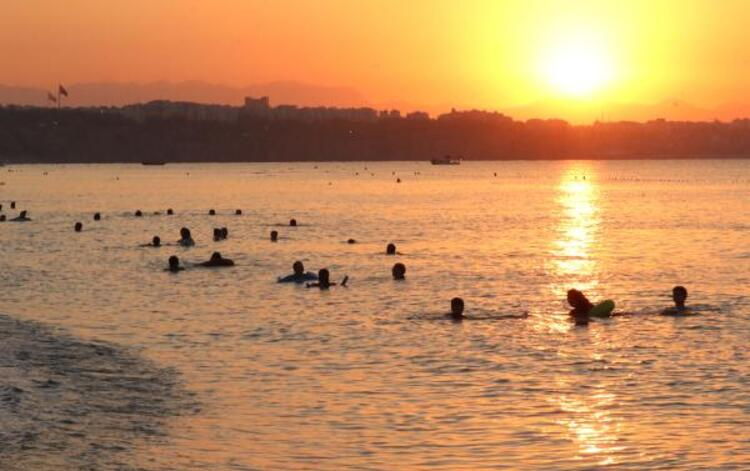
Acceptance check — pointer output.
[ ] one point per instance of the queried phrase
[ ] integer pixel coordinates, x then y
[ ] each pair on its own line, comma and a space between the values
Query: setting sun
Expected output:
577, 68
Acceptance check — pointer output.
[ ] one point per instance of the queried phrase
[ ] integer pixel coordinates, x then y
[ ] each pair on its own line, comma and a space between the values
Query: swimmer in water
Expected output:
155, 242
293, 222
581, 306
2, 218
212, 212
679, 296
174, 264
274, 236
224, 233
299, 275
351, 241
390, 249
22, 217
12, 205
97, 217
217, 234
238, 212
218, 261
170, 212
457, 309
186, 240
78, 227
399, 271
138, 213
324, 280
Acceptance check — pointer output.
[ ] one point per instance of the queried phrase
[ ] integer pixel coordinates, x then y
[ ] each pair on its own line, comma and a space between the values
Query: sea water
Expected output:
369, 376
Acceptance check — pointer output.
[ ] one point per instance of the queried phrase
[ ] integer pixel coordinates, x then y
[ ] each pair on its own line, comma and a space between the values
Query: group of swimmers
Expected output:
581, 313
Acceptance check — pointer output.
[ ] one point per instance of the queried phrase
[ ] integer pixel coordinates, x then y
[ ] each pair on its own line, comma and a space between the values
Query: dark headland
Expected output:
164, 131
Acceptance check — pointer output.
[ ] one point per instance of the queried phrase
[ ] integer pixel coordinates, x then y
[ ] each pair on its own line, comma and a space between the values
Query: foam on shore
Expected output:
70, 404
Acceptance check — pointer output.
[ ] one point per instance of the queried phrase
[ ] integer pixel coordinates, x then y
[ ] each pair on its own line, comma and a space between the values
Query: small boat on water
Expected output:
153, 162
447, 160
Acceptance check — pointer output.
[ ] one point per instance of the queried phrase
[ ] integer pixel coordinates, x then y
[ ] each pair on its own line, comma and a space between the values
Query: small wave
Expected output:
62, 399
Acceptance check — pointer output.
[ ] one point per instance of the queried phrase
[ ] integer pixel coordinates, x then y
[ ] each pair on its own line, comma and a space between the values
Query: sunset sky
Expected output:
426, 53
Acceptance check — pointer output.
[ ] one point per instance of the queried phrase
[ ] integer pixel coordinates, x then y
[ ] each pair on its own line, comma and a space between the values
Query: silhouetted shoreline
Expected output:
189, 132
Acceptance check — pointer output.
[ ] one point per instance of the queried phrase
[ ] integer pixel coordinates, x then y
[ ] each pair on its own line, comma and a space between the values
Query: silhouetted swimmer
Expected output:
324, 280
398, 180
224, 233
299, 275
217, 234
238, 212
581, 306
170, 212
12, 205
138, 213
351, 241
22, 217
174, 264
97, 217
399, 271
293, 222
78, 227
186, 240
274, 236
218, 261
457, 309
155, 242
2, 217
679, 296
211, 212
390, 249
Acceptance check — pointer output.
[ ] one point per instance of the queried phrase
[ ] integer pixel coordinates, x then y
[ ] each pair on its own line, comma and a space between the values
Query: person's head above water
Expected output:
185, 233
212, 212
156, 241
216, 256
97, 216
238, 212
457, 307
390, 249
224, 232
398, 271
299, 268
138, 213
174, 263
292, 222
78, 227
217, 233
170, 211
324, 276
679, 295
274, 236
2, 217
579, 301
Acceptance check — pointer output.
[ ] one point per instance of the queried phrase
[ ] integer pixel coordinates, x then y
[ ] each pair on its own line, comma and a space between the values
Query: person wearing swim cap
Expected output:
299, 275
399, 271
390, 249
293, 222
78, 227
218, 261
274, 236
186, 240
324, 280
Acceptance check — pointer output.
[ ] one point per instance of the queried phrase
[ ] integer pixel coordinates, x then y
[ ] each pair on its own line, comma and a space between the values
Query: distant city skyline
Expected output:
576, 60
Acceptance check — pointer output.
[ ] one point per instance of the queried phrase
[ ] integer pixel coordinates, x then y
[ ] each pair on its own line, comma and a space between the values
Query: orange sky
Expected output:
490, 54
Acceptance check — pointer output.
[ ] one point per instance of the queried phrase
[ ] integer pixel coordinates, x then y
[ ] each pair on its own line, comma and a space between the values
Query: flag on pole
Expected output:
51, 97
62, 91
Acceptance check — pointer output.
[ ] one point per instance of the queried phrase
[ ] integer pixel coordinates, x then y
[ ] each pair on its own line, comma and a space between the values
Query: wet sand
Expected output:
70, 404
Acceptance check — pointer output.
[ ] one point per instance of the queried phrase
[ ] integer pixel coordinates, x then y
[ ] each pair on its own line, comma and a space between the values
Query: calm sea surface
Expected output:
368, 376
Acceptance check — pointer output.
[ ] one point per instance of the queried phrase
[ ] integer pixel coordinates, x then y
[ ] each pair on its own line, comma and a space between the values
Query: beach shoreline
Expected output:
67, 403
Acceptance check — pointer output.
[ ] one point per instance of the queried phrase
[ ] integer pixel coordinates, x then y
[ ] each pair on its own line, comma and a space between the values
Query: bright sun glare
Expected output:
577, 68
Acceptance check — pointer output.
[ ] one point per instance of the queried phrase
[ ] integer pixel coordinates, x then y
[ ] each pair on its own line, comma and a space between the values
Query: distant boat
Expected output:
153, 162
447, 160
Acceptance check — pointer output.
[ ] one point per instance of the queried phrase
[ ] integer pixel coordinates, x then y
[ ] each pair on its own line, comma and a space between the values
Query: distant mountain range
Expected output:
302, 94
